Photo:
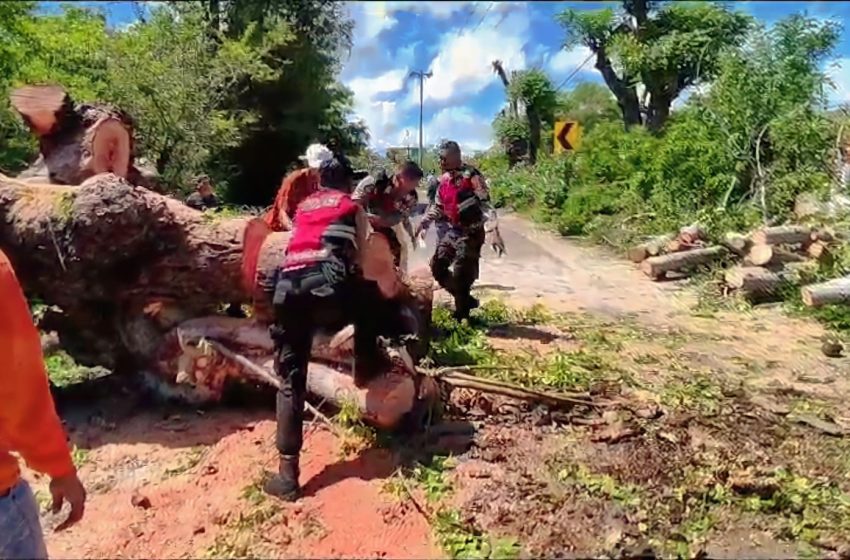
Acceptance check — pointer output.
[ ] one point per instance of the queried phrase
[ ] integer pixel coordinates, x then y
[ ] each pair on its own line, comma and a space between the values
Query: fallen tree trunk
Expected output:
651, 248
782, 235
834, 291
755, 283
657, 267
125, 265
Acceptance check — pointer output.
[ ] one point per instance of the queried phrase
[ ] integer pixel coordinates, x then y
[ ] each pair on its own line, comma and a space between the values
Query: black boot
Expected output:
463, 305
284, 484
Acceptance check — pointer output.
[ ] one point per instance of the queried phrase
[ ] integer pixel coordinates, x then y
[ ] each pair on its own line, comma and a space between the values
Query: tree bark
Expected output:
626, 95
782, 235
834, 291
755, 283
126, 265
657, 267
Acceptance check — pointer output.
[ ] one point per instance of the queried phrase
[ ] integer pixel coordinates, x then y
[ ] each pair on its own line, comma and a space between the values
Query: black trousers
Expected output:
455, 264
297, 318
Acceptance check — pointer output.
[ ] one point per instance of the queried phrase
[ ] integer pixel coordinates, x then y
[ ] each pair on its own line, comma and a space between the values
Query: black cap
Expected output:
335, 173
449, 146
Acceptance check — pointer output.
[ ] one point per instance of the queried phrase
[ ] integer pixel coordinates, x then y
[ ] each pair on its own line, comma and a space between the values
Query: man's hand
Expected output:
68, 488
495, 240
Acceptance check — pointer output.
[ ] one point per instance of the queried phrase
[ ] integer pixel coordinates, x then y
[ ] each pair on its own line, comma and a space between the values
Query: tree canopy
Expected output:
665, 47
233, 89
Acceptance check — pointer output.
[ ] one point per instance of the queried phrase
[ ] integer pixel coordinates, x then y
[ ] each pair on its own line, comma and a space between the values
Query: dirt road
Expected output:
171, 482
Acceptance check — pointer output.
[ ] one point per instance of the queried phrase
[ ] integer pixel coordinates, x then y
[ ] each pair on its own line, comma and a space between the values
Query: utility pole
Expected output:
421, 75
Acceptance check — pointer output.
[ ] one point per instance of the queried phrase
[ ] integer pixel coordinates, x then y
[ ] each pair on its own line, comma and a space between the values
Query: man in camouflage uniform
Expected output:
389, 201
462, 203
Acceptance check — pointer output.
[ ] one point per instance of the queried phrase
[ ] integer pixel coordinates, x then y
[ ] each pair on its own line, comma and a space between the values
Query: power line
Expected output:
574, 72
480, 21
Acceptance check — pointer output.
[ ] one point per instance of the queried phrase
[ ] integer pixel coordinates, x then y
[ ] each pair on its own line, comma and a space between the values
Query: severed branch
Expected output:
457, 378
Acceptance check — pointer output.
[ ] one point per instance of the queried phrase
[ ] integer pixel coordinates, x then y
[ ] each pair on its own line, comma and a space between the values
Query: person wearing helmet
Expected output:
462, 202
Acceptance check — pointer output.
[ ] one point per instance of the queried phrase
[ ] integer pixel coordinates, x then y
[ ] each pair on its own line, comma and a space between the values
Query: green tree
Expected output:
663, 46
15, 43
588, 103
304, 104
535, 91
165, 73
769, 101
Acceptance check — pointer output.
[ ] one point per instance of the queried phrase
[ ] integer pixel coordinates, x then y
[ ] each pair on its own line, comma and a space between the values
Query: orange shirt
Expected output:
28, 421
295, 187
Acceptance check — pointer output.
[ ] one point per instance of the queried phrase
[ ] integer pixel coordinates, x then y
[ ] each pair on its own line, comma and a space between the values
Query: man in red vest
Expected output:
320, 285
462, 201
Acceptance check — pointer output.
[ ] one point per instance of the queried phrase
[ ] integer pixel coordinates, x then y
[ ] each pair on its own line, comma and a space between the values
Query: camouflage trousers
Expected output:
455, 264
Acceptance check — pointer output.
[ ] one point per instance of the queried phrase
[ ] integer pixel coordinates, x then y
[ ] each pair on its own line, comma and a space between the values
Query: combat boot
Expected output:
284, 484
463, 306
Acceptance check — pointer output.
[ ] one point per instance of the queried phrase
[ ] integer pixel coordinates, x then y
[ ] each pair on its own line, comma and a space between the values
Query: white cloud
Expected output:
472, 131
463, 66
440, 10
564, 62
380, 115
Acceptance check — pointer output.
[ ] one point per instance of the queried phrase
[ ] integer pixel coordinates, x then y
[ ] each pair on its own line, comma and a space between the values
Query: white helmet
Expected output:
316, 154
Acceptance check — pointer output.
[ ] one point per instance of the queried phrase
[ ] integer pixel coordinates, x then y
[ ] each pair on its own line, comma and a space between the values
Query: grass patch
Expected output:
356, 434
63, 370
809, 509
457, 538
79, 456
696, 392
599, 485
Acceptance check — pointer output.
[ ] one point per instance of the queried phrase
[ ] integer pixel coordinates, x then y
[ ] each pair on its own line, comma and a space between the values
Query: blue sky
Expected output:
457, 41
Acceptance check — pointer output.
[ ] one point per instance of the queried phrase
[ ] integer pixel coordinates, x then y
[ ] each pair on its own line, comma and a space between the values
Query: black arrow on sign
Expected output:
562, 136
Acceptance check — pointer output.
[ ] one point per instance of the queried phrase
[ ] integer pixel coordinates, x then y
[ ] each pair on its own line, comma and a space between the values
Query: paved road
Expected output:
541, 266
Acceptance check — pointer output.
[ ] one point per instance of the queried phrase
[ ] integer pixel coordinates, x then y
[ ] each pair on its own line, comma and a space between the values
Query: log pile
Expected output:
763, 261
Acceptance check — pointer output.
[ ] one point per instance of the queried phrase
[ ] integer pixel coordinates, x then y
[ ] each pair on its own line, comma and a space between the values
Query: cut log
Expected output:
651, 248
690, 235
125, 265
782, 235
823, 235
755, 283
737, 243
834, 291
818, 250
657, 267
75, 141
761, 255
